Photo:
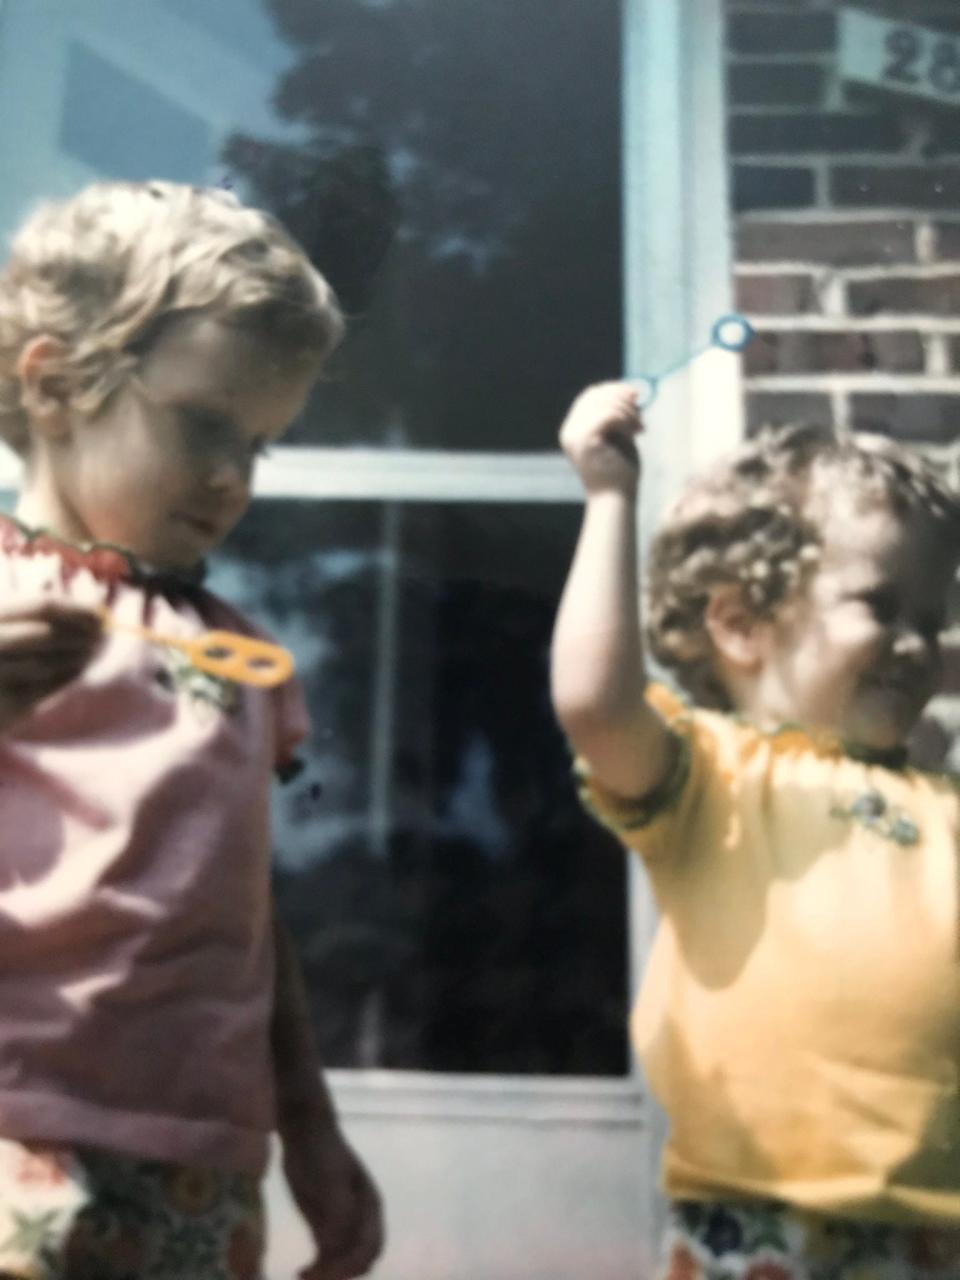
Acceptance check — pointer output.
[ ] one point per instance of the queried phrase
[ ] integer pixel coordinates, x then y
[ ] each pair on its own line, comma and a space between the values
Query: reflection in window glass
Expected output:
157, 131
455, 909
453, 166
459, 181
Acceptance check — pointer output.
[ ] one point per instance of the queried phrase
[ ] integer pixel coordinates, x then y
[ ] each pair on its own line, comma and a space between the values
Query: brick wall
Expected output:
847, 222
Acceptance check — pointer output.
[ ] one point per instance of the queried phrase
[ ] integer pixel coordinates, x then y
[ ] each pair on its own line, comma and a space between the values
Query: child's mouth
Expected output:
912, 688
200, 525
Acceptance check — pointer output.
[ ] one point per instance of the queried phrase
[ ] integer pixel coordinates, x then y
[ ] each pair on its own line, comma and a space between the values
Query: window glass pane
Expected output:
453, 166
476, 146
455, 908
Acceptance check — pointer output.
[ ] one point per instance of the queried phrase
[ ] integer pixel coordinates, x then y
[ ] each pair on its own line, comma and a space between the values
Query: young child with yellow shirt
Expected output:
799, 1018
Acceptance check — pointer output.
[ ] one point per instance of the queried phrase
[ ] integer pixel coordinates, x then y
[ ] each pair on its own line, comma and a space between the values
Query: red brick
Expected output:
762, 186
898, 186
774, 408
846, 244
932, 295
752, 84
834, 352
920, 417
780, 32
943, 140
951, 667
820, 131
947, 240
776, 294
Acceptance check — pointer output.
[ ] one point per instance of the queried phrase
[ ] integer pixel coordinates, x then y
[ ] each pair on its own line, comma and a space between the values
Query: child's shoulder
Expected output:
731, 732
220, 612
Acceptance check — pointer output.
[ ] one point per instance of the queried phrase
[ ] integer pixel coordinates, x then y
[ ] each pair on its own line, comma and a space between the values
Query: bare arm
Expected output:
328, 1181
597, 675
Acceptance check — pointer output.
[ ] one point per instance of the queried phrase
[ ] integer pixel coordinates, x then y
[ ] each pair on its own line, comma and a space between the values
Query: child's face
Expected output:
164, 469
859, 653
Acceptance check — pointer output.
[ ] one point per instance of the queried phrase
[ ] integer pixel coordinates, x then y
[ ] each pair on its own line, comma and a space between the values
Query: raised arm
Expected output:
597, 674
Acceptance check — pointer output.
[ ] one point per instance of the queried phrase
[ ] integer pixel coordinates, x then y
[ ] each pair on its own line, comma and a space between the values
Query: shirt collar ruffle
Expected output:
107, 562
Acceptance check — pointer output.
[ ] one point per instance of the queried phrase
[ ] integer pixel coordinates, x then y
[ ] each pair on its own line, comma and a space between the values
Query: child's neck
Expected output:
39, 508
770, 718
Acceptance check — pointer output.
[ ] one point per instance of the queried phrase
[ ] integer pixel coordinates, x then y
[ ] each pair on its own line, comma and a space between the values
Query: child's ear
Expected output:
44, 391
739, 636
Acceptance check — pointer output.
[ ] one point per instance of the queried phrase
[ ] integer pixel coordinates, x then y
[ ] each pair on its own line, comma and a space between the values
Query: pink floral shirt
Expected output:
136, 958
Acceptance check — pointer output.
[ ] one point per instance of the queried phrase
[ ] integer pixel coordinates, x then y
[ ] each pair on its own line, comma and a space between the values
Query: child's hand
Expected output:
598, 436
43, 647
336, 1196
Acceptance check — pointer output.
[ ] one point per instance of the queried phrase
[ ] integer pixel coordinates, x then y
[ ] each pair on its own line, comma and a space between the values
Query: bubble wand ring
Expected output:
732, 332
227, 654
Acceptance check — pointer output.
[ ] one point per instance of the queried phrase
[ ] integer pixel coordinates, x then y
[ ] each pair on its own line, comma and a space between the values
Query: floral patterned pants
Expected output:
83, 1214
770, 1241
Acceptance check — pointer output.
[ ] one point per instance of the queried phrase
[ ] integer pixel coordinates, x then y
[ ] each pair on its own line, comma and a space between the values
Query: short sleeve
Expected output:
292, 721
656, 823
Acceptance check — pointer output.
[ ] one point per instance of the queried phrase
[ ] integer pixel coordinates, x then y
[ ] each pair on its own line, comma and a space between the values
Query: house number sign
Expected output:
899, 56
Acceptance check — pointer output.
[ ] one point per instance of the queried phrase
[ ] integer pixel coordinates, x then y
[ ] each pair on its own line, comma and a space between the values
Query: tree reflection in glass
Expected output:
459, 182
455, 909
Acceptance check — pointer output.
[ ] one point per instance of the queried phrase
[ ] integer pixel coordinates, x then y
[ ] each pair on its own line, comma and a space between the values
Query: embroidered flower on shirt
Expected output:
32, 1233
874, 811
724, 1233
200, 686
194, 1190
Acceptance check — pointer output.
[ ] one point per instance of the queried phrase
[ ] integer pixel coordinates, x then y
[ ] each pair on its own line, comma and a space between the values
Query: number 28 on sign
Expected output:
900, 57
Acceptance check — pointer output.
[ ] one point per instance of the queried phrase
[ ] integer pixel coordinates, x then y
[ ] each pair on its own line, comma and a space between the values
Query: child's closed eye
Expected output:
884, 605
208, 432
203, 429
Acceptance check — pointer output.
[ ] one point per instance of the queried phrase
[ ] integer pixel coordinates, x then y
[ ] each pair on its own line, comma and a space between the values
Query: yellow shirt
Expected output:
800, 1014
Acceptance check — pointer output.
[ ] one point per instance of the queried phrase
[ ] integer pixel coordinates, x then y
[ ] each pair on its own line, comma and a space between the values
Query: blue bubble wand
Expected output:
731, 332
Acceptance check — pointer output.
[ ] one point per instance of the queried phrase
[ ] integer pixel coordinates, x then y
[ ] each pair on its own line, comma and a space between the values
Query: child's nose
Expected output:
910, 641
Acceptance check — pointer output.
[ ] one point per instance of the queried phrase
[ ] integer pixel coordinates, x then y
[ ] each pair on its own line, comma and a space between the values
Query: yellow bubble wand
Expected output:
226, 654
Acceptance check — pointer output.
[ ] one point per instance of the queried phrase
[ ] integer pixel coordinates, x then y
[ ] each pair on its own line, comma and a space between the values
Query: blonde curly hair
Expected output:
755, 521
103, 270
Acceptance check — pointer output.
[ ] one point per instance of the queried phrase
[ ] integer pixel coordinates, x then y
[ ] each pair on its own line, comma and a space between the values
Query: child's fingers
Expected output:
37, 638
19, 700
604, 408
43, 647
618, 400
624, 446
27, 680
52, 611
352, 1236
35, 668
37, 629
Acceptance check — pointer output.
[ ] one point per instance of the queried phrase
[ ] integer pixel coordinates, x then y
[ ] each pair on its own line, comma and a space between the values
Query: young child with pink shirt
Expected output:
799, 1017
154, 339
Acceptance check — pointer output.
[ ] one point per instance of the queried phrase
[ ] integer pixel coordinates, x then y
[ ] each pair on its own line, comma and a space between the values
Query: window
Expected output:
457, 176
454, 908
